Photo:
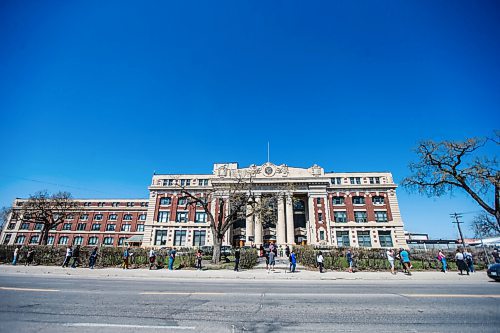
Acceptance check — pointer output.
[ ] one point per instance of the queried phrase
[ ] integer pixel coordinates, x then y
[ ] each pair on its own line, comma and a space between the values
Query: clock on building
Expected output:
268, 171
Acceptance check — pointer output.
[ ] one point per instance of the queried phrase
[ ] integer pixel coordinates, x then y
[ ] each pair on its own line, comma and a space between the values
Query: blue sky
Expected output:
95, 96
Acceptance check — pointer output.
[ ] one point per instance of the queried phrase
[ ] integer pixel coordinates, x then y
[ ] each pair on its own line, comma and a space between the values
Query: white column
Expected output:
249, 228
280, 226
290, 228
258, 226
311, 225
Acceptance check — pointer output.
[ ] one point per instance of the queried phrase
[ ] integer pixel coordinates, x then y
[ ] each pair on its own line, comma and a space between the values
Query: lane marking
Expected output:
129, 326
452, 295
27, 289
178, 293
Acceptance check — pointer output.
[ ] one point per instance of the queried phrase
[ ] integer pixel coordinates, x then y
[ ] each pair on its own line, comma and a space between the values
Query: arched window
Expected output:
127, 217
78, 240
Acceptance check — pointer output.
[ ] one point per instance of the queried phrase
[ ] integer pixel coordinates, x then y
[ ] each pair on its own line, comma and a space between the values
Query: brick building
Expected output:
357, 209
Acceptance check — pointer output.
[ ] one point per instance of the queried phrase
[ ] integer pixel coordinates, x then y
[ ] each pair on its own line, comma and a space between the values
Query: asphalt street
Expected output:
59, 304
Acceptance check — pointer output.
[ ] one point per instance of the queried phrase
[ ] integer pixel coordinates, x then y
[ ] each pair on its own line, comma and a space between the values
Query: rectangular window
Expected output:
358, 200
205, 182
355, 180
39, 226
381, 216
163, 216
66, 226
180, 238
34, 239
126, 227
81, 226
385, 238
374, 180
378, 200
7, 238
338, 200
318, 201
343, 239
84, 217
364, 239
165, 201
108, 241
11, 226
161, 237
92, 240
336, 181
199, 237
360, 217
121, 241
182, 201
112, 217
50, 240
110, 227
140, 227
96, 226
20, 239
340, 216
200, 217
321, 235
25, 226
320, 217
181, 217
78, 240
63, 240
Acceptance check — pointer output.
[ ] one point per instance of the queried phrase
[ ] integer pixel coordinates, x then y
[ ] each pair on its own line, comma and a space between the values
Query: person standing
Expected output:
126, 255
29, 257
237, 255
460, 259
152, 258
442, 258
319, 260
16, 255
293, 262
261, 251
468, 260
171, 259
272, 260
390, 258
93, 258
287, 251
76, 257
67, 257
496, 256
350, 261
281, 251
199, 257
405, 257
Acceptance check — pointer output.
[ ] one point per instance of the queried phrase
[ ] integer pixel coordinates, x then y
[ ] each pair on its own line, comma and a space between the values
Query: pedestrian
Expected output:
29, 257
93, 258
16, 255
199, 257
390, 258
171, 259
287, 251
126, 255
293, 262
76, 257
400, 259
67, 257
152, 258
460, 260
237, 255
442, 258
405, 257
496, 256
266, 255
469, 261
272, 260
281, 251
319, 260
350, 261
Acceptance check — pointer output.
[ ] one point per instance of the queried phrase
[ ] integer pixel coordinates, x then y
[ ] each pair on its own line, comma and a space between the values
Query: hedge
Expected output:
376, 259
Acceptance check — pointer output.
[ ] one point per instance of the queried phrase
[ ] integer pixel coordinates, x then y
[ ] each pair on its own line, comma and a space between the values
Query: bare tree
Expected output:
234, 199
484, 225
4, 216
48, 210
448, 165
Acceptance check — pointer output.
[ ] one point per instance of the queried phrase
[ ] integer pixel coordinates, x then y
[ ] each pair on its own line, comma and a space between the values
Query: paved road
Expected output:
58, 304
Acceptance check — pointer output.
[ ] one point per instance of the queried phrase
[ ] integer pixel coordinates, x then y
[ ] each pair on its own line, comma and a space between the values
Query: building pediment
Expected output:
266, 170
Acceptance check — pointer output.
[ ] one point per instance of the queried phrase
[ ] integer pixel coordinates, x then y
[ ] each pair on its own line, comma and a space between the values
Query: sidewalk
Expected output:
253, 274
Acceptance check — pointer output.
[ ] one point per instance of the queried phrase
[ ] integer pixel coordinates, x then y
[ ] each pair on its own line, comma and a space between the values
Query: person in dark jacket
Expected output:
93, 258
236, 260
76, 257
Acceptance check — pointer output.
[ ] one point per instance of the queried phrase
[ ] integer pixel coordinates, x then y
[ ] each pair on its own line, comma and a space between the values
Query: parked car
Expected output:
494, 272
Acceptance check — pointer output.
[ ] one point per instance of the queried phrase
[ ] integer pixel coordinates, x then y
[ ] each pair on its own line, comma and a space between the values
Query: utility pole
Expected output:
456, 216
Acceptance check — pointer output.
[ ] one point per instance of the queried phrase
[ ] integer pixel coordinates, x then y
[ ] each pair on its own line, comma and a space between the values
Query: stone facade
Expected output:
357, 209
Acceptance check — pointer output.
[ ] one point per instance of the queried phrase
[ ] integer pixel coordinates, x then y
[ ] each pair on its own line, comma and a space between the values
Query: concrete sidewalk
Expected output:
253, 274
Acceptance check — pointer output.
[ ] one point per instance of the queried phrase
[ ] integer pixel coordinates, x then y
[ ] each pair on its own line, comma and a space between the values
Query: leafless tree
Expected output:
484, 225
448, 165
235, 198
48, 210
4, 216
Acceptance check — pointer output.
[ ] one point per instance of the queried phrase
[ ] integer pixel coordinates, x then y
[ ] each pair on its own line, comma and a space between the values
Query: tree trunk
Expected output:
44, 235
217, 250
